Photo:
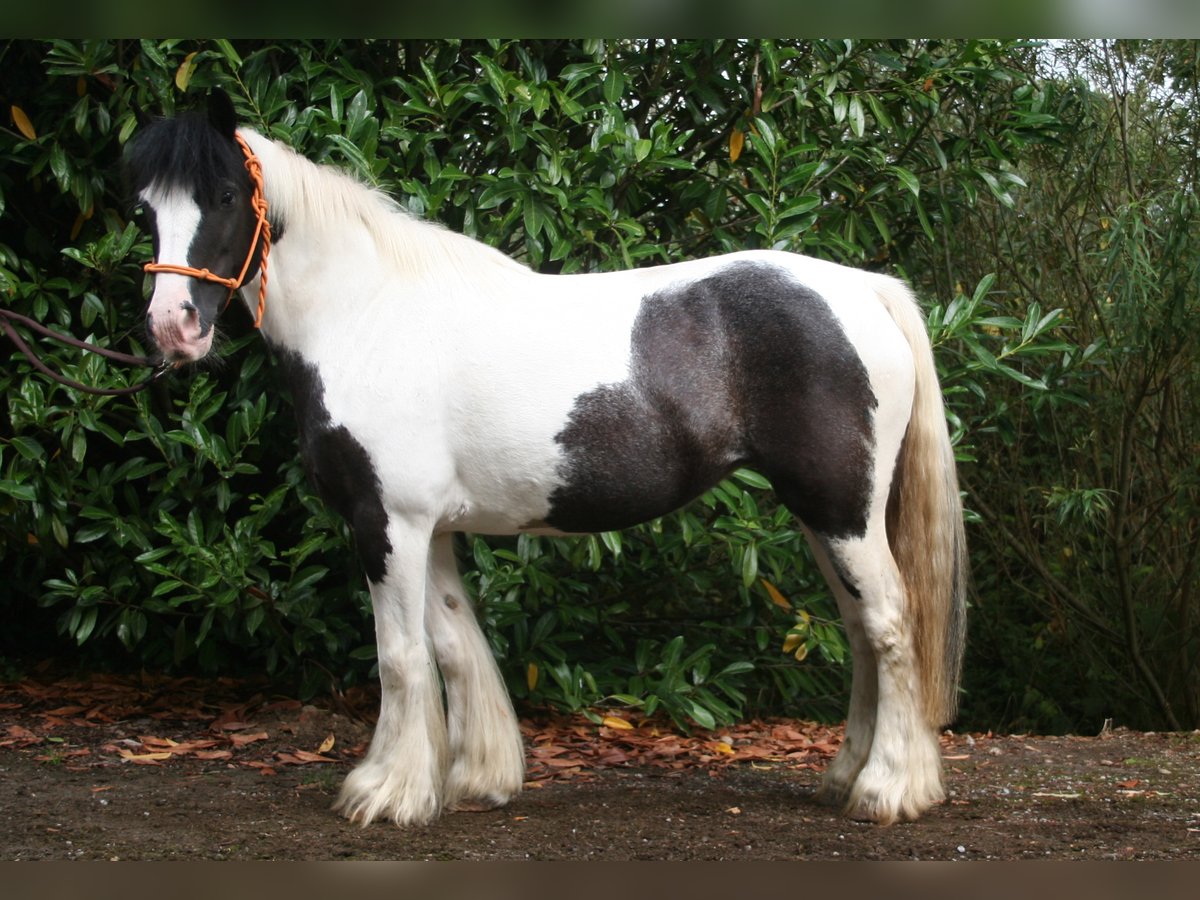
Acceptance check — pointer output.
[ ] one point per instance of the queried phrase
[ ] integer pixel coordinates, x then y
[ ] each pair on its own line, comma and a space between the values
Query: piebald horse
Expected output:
442, 387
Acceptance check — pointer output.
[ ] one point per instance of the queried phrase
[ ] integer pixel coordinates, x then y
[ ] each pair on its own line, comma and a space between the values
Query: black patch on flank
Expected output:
744, 367
338, 466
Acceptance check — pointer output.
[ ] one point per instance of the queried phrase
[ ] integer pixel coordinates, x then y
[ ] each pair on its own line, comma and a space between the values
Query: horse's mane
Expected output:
302, 190
186, 151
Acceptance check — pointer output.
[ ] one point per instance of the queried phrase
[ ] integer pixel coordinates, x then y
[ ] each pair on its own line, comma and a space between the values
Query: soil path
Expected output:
138, 769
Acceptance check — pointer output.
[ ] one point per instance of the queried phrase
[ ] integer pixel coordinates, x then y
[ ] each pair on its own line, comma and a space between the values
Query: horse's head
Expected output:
189, 176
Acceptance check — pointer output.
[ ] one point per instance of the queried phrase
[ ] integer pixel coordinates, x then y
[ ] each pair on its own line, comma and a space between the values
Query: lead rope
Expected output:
160, 368
262, 229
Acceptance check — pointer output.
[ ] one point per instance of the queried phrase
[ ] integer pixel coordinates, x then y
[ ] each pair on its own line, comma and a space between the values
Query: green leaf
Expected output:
87, 624
614, 86
984, 356
749, 564
995, 187
92, 532
702, 716
983, 287
752, 478
735, 668
857, 119
19, 491
760, 206
840, 105
612, 540
28, 447
230, 54
906, 178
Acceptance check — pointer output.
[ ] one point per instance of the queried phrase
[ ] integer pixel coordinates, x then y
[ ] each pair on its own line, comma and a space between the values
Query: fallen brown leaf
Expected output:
303, 757
65, 711
151, 741
21, 734
563, 763
143, 759
241, 740
213, 754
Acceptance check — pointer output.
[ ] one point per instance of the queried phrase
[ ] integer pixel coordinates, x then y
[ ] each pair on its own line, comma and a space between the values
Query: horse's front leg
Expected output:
401, 778
487, 756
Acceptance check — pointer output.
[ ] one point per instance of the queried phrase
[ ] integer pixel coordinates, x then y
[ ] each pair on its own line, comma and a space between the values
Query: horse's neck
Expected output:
350, 256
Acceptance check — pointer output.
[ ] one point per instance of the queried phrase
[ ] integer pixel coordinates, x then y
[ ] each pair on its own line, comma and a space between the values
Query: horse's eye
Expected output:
227, 198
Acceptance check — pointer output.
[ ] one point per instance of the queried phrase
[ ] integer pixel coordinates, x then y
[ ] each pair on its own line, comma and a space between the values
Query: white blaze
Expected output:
174, 321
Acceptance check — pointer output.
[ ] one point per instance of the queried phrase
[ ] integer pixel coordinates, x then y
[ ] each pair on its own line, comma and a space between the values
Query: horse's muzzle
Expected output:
176, 325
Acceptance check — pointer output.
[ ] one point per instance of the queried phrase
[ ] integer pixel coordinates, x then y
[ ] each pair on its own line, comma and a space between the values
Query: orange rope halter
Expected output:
259, 201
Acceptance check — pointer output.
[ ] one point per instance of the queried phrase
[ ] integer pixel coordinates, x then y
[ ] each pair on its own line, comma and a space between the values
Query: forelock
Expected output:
184, 152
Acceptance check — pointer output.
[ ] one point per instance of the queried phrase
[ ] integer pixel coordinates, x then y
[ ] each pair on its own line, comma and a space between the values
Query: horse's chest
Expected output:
339, 466
466, 447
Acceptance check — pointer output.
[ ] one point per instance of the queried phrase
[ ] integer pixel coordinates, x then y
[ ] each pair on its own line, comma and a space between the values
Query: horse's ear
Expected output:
139, 115
221, 113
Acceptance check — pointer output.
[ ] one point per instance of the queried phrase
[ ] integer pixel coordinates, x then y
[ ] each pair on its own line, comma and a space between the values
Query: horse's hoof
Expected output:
476, 804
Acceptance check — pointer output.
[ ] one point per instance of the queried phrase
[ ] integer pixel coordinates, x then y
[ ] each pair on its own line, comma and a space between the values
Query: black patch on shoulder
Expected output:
338, 466
744, 367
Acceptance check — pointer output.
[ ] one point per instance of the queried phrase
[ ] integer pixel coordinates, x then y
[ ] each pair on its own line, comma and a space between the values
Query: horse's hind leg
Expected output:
487, 756
899, 773
836, 477
860, 719
402, 776
889, 767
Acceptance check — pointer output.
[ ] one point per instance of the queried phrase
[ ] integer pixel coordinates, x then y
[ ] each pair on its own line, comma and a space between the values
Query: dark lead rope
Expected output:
160, 368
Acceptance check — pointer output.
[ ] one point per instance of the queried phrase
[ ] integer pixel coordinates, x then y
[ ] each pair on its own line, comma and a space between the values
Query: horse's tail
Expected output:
925, 521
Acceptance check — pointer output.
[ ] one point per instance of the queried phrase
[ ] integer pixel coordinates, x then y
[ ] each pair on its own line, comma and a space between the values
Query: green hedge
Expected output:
175, 530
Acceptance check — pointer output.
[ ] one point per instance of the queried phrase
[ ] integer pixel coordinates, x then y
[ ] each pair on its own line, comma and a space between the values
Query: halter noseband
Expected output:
262, 228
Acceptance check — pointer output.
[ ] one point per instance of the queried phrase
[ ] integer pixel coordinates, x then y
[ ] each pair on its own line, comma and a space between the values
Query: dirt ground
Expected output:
106, 768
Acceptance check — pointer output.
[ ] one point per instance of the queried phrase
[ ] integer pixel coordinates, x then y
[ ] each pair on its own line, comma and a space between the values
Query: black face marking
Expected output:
743, 367
197, 154
338, 466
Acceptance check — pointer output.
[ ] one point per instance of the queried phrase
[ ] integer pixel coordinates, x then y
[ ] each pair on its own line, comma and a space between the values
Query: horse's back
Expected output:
766, 359
592, 402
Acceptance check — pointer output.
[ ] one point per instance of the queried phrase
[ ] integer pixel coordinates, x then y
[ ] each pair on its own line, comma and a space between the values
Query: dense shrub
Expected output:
175, 529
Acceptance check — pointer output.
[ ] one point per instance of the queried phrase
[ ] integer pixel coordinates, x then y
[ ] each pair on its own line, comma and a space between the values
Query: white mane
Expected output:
305, 191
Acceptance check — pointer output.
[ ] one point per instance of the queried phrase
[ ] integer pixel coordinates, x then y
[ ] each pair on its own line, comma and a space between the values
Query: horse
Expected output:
441, 386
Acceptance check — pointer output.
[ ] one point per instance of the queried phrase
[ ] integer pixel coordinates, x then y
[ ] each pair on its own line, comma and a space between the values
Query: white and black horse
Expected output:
442, 387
